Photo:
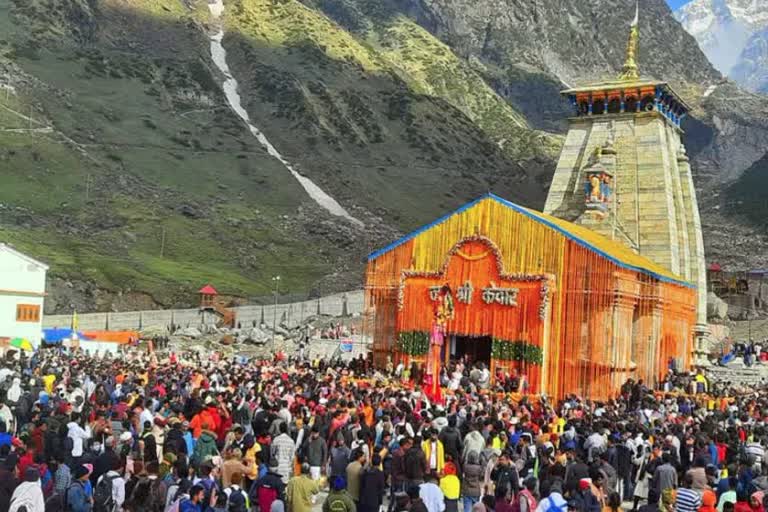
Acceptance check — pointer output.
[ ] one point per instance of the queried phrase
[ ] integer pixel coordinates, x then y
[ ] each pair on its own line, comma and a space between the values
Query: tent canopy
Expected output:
58, 335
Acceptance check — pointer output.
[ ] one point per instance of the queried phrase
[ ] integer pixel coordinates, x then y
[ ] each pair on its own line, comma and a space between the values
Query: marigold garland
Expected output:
413, 343
516, 351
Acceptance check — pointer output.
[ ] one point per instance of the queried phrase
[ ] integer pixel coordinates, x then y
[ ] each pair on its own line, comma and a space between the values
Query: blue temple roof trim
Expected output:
533, 215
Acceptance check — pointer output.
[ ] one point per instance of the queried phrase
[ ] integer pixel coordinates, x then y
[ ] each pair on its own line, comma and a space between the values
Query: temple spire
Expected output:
629, 71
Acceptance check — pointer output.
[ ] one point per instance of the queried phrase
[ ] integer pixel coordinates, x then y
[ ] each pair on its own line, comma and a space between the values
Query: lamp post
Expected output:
276, 280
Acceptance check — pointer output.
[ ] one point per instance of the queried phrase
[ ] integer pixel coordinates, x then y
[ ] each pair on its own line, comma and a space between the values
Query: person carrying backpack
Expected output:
524, 500
555, 501
76, 499
237, 498
268, 488
109, 493
338, 499
158, 490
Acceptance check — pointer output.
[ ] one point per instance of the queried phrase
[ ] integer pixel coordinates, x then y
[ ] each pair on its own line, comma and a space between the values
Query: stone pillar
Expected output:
696, 257
625, 297
548, 292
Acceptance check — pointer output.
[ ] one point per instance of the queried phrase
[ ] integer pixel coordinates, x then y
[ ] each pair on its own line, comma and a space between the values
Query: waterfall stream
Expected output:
219, 56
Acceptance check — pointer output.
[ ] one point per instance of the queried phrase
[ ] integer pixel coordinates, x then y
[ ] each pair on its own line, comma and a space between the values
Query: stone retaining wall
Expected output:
292, 314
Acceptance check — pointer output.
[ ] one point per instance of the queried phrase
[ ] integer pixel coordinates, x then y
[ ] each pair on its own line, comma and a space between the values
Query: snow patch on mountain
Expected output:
732, 33
230, 87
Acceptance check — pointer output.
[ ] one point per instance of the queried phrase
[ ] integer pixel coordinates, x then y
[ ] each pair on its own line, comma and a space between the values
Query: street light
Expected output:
276, 280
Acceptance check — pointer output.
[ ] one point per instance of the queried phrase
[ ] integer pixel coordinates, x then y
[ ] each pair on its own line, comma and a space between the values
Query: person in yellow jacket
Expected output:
434, 452
451, 487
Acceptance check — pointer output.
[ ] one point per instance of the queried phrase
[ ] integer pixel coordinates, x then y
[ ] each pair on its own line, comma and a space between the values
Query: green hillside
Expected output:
124, 166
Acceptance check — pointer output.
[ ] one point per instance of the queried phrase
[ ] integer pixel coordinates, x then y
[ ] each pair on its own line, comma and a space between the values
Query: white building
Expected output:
22, 291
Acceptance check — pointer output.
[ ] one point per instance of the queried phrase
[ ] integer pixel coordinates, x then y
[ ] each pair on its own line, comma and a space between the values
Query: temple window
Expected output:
598, 106
614, 106
630, 104
647, 103
583, 108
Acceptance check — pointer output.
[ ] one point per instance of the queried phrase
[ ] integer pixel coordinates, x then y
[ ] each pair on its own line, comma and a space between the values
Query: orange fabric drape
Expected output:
605, 321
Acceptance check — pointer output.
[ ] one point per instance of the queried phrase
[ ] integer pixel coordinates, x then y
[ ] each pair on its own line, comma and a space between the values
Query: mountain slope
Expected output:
527, 46
128, 169
732, 33
135, 180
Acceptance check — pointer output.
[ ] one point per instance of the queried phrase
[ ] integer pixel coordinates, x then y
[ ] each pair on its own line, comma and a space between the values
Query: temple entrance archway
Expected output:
473, 349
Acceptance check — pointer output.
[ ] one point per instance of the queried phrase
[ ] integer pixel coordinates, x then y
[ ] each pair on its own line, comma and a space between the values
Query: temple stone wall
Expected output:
653, 209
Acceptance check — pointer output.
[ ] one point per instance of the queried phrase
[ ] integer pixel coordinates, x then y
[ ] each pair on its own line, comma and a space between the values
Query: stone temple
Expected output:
623, 172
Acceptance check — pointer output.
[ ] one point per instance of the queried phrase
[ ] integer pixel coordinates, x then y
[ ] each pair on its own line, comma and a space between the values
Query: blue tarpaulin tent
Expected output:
52, 336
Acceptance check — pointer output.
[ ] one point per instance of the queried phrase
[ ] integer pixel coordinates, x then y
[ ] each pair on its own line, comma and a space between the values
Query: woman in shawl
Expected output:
28, 495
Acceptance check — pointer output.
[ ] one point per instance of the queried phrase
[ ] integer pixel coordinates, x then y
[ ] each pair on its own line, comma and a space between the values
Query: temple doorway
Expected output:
474, 349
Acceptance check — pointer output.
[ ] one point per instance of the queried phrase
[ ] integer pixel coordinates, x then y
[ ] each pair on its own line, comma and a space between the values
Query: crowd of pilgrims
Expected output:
159, 433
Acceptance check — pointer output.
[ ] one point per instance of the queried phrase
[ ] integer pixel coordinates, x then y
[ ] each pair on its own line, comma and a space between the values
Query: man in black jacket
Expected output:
505, 475
451, 439
316, 452
174, 440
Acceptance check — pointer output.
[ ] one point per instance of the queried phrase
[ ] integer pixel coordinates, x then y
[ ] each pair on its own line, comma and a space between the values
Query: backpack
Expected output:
157, 493
551, 507
68, 446
412, 461
528, 496
237, 500
337, 505
140, 494
65, 499
102, 494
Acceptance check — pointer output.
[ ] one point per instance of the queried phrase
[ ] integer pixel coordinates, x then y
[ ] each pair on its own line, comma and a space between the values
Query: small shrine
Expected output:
207, 297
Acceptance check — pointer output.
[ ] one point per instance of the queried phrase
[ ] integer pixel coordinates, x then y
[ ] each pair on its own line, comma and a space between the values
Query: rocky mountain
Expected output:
149, 146
734, 36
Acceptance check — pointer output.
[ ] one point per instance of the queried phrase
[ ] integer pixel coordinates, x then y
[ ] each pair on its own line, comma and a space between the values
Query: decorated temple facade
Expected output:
623, 172
563, 307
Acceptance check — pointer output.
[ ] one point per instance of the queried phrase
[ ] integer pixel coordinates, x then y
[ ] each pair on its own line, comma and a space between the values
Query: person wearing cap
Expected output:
76, 496
233, 464
268, 488
584, 500
29, 493
174, 438
8, 480
338, 499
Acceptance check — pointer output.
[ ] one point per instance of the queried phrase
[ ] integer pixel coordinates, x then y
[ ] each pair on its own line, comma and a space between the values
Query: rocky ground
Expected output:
263, 341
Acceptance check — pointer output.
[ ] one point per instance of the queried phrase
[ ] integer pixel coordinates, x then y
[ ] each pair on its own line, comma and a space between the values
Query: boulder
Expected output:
717, 308
190, 332
259, 336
